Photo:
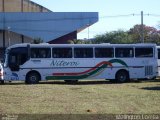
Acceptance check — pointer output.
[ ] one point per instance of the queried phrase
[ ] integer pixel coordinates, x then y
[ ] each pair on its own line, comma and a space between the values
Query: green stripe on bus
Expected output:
86, 75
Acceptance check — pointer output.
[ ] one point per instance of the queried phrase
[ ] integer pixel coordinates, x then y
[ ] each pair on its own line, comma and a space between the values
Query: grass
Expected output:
86, 97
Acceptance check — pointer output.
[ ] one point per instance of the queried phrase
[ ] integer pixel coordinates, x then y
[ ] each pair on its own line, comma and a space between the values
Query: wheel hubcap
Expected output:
122, 78
33, 78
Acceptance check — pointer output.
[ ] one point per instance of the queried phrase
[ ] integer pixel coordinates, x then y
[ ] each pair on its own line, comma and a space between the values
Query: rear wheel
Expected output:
122, 76
32, 78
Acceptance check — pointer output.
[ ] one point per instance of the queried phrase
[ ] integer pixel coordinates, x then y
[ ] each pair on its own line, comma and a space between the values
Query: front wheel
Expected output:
122, 76
32, 78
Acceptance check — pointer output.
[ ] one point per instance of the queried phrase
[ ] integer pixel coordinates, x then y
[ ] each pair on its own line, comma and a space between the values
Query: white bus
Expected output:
158, 49
72, 62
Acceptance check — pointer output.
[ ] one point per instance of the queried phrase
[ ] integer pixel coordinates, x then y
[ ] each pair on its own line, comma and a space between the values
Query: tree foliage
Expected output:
37, 41
151, 35
119, 36
75, 41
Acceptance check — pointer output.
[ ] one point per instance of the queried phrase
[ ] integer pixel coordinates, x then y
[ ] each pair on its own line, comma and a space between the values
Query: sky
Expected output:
107, 9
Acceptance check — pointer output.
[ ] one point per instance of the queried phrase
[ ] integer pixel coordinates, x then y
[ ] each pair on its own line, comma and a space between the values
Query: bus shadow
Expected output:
13, 83
151, 88
61, 83
81, 82
154, 80
77, 83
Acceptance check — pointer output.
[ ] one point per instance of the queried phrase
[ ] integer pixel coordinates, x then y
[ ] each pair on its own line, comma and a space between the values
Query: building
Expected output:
22, 21
21, 6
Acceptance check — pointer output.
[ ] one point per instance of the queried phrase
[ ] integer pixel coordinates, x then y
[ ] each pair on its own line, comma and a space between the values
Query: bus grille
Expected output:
148, 70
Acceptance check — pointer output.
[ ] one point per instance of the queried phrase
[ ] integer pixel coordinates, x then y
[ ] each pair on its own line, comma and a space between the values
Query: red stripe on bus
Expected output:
87, 71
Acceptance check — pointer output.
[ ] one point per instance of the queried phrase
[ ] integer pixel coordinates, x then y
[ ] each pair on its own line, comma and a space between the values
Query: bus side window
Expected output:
144, 52
45, 53
40, 52
158, 53
34, 53
124, 52
83, 52
104, 52
62, 52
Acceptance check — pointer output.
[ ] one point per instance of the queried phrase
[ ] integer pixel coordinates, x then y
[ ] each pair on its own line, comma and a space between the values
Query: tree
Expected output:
119, 36
151, 34
37, 41
75, 41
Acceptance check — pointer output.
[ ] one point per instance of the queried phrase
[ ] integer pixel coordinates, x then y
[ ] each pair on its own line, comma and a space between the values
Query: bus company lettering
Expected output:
62, 63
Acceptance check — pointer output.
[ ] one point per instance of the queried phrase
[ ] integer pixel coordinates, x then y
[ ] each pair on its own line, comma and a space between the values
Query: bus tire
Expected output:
32, 78
122, 76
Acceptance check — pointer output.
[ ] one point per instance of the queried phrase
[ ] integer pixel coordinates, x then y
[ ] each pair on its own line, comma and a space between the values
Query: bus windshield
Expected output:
16, 57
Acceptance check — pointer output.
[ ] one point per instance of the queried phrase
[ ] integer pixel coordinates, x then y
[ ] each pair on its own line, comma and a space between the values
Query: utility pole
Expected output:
9, 39
22, 10
4, 37
142, 28
88, 32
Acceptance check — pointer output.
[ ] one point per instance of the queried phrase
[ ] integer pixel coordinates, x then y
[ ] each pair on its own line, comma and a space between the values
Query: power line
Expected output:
130, 15
154, 15
115, 16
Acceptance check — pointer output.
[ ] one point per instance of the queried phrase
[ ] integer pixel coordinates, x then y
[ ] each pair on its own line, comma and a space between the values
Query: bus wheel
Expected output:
122, 76
32, 78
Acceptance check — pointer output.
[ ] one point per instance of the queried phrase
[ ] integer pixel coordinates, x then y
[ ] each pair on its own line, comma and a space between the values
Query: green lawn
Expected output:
85, 97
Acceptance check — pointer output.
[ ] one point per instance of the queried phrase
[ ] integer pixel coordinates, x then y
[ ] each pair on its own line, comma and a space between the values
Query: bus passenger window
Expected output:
34, 53
83, 52
124, 52
144, 52
158, 53
104, 52
45, 53
40, 52
62, 52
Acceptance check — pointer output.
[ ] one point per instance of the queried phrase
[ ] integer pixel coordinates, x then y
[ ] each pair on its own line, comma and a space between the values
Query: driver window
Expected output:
18, 56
